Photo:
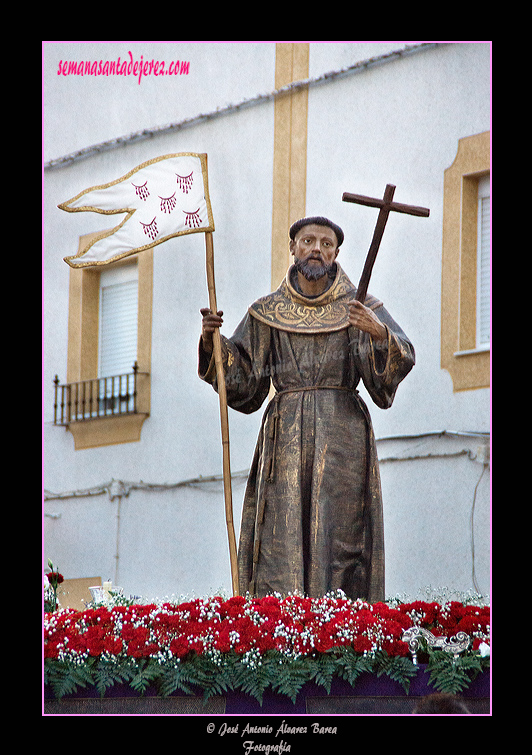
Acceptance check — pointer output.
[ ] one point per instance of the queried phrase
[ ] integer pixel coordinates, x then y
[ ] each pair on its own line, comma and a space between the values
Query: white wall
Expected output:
181, 439
400, 123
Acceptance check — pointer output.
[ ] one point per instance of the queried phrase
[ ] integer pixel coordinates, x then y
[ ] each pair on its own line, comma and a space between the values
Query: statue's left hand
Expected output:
365, 319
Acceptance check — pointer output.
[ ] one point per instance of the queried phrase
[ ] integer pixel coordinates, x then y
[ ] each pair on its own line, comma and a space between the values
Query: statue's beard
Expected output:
312, 271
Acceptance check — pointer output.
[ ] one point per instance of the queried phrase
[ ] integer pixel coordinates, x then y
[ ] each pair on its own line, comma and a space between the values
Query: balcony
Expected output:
98, 398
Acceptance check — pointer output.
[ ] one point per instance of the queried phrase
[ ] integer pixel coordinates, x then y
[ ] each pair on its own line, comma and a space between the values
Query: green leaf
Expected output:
147, 672
452, 675
174, 677
200, 671
255, 680
398, 669
350, 665
324, 669
109, 673
66, 678
291, 676
213, 679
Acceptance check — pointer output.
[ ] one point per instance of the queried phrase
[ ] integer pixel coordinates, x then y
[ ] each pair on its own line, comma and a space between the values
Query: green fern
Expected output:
323, 669
255, 680
399, 669
109, 673
146, 673
450, 674
66, 678
174, 677
350, 665
214, 680
290, 677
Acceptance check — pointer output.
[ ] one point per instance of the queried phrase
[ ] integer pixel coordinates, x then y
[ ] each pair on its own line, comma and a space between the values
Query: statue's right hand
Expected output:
209, 324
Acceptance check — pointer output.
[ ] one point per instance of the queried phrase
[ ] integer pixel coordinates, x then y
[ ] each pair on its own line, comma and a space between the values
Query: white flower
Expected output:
484, 649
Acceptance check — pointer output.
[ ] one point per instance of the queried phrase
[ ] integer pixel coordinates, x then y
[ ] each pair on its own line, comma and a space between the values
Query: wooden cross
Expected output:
386, 206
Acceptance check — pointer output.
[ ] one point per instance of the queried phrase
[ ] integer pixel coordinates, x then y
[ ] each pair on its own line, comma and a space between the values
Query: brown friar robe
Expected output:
312, 514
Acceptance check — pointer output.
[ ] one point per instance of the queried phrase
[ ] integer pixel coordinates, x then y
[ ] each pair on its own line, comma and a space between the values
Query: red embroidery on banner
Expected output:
150, 229
192, 219
185, 182
168, 203
142, 191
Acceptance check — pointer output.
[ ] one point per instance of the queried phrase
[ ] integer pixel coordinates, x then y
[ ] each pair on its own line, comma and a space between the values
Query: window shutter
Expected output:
118, 320
483, 263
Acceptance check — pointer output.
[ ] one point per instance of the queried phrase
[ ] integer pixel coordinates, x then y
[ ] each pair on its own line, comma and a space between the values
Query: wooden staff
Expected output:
224, 419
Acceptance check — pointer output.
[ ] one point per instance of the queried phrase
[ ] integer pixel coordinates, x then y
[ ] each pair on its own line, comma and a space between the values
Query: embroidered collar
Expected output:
287, 309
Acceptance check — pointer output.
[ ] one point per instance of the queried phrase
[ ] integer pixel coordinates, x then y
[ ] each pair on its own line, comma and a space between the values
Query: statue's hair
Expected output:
317, 220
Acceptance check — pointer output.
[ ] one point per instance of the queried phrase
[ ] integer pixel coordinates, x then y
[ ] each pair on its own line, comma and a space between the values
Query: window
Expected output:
118, 326
465, 298
109, 330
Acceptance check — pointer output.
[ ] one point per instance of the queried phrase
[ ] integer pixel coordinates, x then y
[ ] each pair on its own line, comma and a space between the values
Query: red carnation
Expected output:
233, 606
113, 645
51, 649
197, 646
265, 643
396, 648
179, 647
323, 643
54, 578
361, 644
223, 641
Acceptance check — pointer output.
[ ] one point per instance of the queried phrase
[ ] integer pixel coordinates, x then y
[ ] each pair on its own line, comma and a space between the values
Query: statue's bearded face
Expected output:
315, 249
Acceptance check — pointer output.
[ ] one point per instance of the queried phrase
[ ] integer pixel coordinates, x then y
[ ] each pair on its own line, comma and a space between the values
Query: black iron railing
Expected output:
100, 397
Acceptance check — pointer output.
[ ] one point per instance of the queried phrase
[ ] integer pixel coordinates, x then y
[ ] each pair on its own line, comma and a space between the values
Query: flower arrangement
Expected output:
51, 583
251, 644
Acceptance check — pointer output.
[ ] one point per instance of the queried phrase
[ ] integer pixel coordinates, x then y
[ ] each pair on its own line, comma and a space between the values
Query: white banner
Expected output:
164, 197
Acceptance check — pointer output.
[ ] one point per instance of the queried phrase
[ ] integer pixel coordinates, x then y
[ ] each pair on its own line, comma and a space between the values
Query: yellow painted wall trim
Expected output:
468, 366
107, 431
290, 152
82, 358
